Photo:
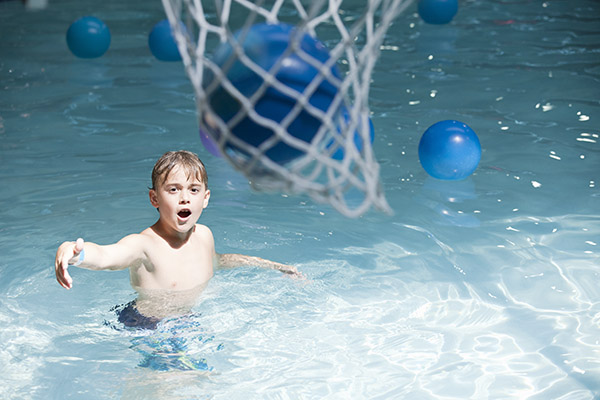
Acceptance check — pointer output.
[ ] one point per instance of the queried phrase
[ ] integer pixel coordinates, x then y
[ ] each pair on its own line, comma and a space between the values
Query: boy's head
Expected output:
186, 160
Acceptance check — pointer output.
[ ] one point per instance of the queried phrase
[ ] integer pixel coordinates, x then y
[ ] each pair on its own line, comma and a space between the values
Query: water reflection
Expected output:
444, 196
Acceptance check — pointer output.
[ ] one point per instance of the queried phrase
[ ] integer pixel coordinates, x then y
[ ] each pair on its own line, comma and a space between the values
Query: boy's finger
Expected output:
62, 272
60, 276
67, 279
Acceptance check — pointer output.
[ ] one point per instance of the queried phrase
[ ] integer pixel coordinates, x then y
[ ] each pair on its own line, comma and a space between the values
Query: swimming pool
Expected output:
483, 288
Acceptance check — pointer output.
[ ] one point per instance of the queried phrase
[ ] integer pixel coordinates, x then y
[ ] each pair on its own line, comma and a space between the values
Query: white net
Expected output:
282, 90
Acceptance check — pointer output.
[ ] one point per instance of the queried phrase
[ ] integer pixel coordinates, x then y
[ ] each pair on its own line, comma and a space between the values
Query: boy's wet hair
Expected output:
187, 160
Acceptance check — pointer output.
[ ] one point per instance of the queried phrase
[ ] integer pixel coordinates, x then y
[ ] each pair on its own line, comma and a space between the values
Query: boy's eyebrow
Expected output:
195, 183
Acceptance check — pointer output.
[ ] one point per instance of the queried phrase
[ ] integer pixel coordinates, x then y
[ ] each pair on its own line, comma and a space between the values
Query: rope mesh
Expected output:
349, 180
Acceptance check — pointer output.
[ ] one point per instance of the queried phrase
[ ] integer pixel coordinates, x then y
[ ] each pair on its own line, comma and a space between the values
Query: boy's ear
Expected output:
153, 198
206, 198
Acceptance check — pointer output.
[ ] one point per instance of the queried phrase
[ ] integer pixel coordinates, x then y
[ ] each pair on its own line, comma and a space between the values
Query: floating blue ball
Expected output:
88, 37
265, 44
162, 42
438, 11
449, 150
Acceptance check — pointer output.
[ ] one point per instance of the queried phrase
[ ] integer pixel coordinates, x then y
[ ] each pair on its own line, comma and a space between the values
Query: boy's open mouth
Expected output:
184, 213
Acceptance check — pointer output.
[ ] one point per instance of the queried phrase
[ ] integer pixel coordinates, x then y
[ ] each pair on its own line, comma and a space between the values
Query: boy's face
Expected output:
180, 199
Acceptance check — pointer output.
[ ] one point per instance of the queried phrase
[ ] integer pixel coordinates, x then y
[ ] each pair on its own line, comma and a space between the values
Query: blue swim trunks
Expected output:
129, 316
166, 347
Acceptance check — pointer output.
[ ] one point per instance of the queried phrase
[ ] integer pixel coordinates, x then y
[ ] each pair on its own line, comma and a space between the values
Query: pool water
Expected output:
485, 288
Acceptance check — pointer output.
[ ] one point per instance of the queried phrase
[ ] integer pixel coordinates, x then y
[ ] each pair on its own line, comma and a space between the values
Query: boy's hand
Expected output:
289, 270
67, 253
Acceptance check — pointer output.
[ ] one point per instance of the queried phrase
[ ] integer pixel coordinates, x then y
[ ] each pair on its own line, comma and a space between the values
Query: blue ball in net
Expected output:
88, 37
339, 152
449, 150
209, 143
162, 43
266, 45
437, 12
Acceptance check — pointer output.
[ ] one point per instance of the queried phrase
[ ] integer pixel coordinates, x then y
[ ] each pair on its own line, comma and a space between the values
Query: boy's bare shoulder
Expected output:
203, 230
140, 239
146, 232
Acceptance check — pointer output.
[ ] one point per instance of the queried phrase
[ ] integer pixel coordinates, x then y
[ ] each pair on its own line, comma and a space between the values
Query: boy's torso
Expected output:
178, 269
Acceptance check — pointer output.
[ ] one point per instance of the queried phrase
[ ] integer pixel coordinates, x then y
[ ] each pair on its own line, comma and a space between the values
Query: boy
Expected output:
171, 261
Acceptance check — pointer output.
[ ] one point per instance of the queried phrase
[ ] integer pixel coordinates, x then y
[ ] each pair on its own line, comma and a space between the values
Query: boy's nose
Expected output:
184, 197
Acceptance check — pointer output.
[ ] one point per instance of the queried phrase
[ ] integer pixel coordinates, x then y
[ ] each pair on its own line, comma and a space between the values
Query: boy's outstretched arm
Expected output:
92, 256
240, 260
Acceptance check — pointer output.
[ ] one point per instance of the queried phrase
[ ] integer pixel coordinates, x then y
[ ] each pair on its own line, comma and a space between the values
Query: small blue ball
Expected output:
449, 150
438, 12
162, 42
88, 37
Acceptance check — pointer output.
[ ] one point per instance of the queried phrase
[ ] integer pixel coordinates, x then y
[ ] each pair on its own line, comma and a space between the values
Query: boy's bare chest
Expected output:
179, 269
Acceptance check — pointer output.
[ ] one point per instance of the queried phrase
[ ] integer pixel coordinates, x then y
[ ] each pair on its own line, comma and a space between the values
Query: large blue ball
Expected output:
339, 152
265, 44
209, 143
162, 42
88, 37
449, 150
437, 11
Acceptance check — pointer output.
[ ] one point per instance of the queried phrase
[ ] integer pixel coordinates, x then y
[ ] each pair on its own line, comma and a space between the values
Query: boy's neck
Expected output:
173, 238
